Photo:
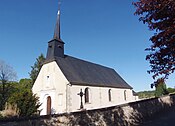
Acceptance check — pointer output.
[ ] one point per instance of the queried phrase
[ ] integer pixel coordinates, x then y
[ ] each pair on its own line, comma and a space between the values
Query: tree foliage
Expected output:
36, 67
160, 88
146, 94
160, 17
171, 90
27, 103
8, 90
7, 76
26, 83
18, 94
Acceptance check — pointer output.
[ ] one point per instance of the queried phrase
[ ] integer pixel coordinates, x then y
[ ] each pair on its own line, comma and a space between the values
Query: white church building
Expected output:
67, 84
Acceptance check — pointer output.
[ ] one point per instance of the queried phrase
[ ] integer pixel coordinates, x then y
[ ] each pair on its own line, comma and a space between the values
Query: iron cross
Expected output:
81, 96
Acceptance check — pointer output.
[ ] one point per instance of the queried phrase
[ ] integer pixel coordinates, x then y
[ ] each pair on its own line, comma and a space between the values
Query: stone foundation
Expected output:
130, 114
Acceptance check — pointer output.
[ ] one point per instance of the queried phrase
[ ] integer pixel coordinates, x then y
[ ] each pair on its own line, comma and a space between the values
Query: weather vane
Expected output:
59, 4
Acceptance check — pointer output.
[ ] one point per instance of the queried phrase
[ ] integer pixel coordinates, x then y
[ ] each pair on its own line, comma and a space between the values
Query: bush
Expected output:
19, 95
26, 102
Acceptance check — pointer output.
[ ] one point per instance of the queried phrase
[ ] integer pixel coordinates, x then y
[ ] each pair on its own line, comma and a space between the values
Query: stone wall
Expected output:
122, 115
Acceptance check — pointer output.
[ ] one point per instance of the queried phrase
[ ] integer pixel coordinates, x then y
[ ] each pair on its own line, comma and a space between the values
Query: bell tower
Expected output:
56, 45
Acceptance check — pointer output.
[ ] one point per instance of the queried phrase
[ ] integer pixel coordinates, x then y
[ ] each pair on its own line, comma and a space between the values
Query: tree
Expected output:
7, 75
160, 88
27, 103
146, 94
36, 68
26, 83
21, 100
160, 17
171, 90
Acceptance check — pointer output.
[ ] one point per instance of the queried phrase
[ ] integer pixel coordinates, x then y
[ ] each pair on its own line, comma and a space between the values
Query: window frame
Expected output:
110, 95
125, 95
87, 95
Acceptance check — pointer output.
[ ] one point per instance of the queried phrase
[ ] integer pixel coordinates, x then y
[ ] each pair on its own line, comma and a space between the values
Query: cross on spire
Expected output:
59, 4
56, 45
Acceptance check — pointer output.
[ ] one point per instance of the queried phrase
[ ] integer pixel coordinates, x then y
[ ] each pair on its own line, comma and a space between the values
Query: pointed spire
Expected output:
57, 26
56, 45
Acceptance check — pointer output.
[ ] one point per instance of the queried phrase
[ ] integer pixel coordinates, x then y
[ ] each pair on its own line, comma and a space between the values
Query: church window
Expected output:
109, 95
125, 95
86, 93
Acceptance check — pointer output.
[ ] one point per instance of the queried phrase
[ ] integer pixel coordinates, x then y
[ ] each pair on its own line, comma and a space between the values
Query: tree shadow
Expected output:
99, 117
150, 109
131, 114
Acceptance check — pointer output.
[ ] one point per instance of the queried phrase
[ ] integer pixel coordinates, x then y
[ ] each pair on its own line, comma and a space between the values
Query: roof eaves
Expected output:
100, 85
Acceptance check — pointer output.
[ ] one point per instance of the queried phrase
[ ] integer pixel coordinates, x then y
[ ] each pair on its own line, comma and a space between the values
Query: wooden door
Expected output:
48, 105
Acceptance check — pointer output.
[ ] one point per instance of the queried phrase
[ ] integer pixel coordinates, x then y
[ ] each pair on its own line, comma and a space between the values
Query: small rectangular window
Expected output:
60, 99
47, 80
109, 95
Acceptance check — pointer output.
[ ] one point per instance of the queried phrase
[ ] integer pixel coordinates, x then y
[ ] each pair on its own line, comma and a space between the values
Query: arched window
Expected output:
49, 105
86, 93
125, 95
109, 95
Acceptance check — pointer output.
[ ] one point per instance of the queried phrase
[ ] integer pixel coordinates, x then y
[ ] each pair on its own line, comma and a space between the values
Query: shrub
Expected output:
26, 102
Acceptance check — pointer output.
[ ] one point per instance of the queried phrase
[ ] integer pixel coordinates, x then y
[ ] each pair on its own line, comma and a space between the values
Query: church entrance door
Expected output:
48, 105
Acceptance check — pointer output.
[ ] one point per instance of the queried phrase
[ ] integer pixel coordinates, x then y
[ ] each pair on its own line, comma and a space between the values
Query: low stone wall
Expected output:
130, 114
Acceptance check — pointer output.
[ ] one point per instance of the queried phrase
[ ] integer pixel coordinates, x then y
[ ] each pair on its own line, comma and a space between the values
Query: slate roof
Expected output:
80, 72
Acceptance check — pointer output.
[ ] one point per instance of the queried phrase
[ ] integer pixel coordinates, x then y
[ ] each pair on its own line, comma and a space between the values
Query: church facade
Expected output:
67, 84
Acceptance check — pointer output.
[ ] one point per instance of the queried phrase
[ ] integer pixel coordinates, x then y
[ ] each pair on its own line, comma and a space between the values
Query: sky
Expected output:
105, 32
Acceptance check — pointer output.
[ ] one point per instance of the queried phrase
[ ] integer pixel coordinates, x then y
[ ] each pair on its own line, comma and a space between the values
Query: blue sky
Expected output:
101, 31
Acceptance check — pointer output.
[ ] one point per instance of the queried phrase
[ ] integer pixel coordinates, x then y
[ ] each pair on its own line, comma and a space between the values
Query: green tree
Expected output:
160, 17
146, 94
36, 68
7, 76
160, 88
27, 103
26, 83
171, 90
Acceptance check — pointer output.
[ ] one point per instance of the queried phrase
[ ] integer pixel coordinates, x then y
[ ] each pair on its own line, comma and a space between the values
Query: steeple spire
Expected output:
57, 26
56, 45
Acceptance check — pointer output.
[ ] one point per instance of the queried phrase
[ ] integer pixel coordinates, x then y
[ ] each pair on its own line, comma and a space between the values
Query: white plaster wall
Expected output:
98, 97
51, 82
43, 100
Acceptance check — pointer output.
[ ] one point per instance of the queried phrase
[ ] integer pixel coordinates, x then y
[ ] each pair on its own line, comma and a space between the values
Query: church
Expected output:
68, 84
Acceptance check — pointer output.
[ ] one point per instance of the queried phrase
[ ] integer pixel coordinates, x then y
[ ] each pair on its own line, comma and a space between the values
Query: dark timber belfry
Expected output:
56, 45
